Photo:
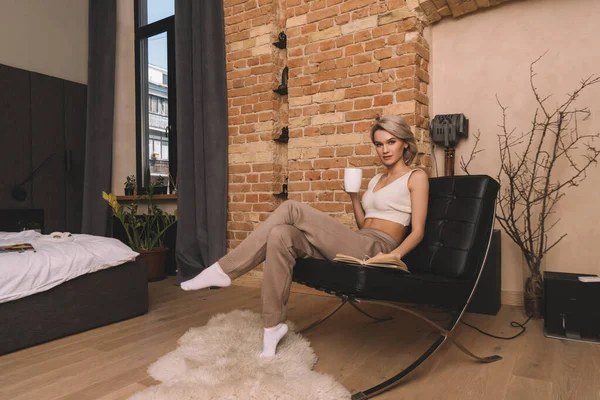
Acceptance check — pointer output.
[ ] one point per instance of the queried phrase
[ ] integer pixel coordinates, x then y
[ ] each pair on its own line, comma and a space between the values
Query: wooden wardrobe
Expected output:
42, 115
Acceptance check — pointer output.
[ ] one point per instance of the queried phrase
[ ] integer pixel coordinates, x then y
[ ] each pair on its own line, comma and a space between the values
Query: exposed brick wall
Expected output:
348, 60
257, 164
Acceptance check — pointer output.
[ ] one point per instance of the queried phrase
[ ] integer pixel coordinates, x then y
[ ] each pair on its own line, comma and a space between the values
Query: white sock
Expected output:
271, 338
211, 276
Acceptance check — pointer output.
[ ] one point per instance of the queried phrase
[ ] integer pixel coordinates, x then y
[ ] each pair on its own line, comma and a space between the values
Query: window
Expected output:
156, 137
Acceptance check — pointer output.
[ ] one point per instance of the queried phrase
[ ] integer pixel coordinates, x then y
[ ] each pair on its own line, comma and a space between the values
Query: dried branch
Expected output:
528, 160
465, 165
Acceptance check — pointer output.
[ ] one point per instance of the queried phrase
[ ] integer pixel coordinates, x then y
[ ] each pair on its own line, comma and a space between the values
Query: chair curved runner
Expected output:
444, 268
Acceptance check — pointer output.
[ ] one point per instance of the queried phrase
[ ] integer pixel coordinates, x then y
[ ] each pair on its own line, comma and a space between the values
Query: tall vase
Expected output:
534, 296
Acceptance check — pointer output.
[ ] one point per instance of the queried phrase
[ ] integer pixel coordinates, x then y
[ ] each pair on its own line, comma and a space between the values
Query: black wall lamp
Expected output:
285, 135
283, 88
282, 43
445, 131
20, 194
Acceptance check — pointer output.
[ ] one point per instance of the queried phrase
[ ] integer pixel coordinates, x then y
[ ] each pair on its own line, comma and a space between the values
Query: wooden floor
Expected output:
110, 362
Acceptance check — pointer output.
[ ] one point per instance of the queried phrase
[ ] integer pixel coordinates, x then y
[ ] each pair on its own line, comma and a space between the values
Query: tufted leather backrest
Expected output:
459, 223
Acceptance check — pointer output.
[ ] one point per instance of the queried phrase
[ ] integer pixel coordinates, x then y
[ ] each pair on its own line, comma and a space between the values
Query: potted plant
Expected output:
145, 231
160, 187
130, 185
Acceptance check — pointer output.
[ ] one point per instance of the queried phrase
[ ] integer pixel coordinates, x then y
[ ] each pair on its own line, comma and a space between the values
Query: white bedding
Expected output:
54, 261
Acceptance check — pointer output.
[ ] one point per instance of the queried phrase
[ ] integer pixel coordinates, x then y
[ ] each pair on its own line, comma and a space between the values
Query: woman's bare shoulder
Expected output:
419, 174
418, 178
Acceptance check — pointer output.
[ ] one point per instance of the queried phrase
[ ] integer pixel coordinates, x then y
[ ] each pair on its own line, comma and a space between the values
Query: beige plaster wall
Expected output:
124, 117
488, 53
49, 37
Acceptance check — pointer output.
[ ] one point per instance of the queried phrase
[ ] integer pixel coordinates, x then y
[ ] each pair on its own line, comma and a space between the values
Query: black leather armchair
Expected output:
445, 267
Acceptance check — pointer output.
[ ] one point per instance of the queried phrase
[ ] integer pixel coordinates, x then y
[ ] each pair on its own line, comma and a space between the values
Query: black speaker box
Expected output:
486, 299
571, 307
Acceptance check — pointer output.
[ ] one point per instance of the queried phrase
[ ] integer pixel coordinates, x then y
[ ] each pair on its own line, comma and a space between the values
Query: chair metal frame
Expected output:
445, 334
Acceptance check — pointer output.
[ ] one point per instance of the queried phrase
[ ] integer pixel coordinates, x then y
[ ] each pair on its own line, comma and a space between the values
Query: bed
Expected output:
65, 287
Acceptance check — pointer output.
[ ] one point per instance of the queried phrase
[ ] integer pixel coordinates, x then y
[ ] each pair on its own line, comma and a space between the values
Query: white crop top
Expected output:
391, 202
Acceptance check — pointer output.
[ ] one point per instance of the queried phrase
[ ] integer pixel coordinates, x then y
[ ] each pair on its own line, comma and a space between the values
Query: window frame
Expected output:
143, 32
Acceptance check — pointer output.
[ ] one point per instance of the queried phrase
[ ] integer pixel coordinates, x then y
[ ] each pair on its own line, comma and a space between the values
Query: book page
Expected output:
387, 260
348, 259
383, 261
17, 248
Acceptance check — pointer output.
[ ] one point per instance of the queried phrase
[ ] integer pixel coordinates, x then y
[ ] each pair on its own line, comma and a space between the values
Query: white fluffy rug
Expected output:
220, 361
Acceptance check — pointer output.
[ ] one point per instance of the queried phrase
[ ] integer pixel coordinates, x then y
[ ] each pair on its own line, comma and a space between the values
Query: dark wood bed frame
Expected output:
86, 302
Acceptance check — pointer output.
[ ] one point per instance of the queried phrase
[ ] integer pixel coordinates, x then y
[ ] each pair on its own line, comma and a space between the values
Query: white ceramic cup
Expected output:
352, 179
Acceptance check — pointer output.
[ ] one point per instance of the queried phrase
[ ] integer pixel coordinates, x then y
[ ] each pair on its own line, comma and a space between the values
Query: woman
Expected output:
393, 201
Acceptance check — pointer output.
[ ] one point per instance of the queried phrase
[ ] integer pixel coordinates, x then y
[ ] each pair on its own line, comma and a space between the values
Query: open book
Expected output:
383, 261
17, 248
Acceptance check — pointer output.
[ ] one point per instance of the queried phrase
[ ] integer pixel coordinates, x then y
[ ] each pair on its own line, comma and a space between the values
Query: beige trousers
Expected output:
293, 231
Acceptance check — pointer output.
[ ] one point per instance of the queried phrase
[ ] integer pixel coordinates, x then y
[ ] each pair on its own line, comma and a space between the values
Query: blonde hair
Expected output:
397, 126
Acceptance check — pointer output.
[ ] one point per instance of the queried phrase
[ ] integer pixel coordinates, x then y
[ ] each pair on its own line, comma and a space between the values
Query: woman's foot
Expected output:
271, 338
211, 276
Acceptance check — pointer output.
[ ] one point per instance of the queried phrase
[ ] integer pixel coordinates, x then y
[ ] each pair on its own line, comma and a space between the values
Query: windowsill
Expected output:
155, 197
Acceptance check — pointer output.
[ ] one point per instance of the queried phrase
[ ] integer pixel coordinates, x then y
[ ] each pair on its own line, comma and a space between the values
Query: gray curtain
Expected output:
201, 135
100, 108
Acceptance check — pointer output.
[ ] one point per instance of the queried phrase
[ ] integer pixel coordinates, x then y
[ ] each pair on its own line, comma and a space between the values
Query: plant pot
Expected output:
155, 261
128, 192
534, 297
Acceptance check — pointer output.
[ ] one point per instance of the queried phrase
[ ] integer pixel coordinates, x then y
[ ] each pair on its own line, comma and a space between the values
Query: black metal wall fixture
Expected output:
19, 192
285, 135
284, 191
283, 88
282, 42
